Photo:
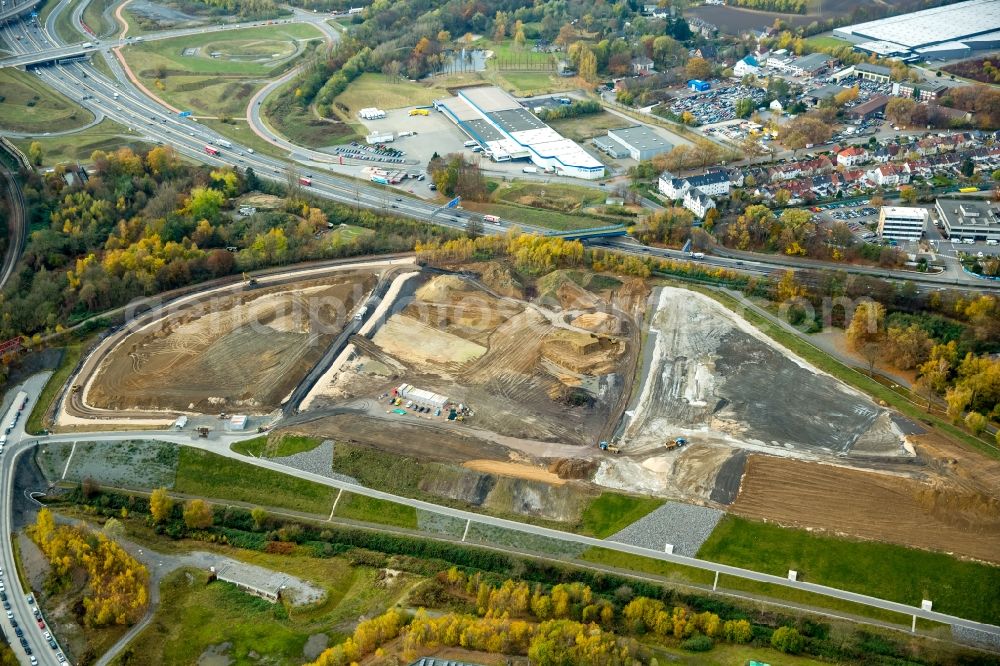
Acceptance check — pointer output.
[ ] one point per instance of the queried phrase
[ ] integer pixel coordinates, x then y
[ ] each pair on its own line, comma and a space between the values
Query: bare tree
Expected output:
474, 227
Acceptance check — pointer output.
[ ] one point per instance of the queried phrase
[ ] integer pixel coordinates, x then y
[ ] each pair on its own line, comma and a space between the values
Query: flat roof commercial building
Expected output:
968, 218
508, 131
641, 142
876, 73
940, 32
869, 109
902, 223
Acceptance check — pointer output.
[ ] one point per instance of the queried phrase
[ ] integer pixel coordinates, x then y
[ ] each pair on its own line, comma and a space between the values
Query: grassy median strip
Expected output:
278, 446
639, 564
612, 512
71, 356
372, 510
209, 475
905, 575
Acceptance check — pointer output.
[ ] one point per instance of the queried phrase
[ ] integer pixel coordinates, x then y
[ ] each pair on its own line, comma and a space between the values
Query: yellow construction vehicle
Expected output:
675, 443
419, 112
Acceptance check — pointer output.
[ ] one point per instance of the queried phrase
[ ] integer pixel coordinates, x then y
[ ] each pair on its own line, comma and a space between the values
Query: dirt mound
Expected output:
582, 352
505, 494
599, 322
573, 468
559, 289
516, 470
501, 279
438, 289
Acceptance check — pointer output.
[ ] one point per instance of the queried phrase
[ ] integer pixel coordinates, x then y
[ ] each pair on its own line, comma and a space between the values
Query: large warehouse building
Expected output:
969, 219
508, 131
943, 33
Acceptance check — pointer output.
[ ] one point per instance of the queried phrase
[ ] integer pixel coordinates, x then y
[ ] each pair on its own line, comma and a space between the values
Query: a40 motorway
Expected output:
125, 103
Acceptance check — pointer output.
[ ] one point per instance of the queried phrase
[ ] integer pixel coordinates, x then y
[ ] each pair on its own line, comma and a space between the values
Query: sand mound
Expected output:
599, 322
437, 290
585, 353
501, 279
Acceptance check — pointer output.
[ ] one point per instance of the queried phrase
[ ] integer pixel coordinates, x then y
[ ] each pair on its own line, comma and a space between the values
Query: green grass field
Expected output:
629, 562
536, 216
107, 135
376, 90
276, 446
64, 25
826, 42
535, 83
372, 510
562, 197
28, 105
218, 85
612, 512
906, 575
71, 356
209, 475
93, 16
588, 126
195, 615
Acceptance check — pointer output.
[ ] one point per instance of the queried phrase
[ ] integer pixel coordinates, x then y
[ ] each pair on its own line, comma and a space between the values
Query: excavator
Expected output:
675, 443
610, 448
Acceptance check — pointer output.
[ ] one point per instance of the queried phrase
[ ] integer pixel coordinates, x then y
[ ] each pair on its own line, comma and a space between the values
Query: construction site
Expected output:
527, 396
535, 373
246, 350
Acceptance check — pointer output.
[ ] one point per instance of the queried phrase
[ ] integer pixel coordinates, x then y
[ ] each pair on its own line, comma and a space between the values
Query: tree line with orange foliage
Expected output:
565, 624
116, 588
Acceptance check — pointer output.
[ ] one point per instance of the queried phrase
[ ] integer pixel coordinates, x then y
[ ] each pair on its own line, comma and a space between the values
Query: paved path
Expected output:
221, 446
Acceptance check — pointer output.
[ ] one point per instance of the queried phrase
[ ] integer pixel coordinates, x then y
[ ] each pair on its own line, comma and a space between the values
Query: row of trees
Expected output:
969, 383
116, 588
784, 6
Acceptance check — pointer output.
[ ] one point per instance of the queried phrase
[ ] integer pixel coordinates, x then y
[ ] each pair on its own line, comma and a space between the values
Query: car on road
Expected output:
41, 624
19, 632
33, 661
60, 657
10, 615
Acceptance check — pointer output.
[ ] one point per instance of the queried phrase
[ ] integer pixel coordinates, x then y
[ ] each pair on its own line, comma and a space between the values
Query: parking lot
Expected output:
718, 105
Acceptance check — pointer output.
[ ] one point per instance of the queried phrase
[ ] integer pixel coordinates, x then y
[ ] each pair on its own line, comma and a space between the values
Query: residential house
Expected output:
852, 156
888, 175
698, 203
747, 65
642, 66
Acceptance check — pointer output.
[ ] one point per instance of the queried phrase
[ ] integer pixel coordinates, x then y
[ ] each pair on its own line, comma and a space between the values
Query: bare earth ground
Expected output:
247, 351
517, 364
931, 514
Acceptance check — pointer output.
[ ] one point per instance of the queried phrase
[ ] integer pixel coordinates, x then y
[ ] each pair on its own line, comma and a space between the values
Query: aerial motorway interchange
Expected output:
472, 332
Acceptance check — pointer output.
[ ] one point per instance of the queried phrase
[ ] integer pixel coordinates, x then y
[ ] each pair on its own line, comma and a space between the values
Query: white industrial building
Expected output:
640, 142
902, 223
951, 31
507, 131
421, 397
969, 219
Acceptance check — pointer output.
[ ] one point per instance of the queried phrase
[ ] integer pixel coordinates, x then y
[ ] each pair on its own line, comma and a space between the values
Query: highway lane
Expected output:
17, 224
133, 109
221, 445
19, 444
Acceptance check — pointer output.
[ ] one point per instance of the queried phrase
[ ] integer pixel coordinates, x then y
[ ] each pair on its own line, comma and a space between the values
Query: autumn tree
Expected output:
198, 514
259, 516
899, 110
698, 68
787, 640
35, 153
866, 332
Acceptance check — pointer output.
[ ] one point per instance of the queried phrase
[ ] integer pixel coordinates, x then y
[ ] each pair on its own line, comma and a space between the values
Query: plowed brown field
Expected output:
936, 514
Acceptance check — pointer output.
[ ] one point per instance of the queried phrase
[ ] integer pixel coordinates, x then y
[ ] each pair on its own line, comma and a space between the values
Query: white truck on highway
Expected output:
223, 143
529, 170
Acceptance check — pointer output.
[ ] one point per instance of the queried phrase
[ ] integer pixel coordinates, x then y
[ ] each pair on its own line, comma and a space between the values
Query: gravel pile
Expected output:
971, 636
686, 526
318, 461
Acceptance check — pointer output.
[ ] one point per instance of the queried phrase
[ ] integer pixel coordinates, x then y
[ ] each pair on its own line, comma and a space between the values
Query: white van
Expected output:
993, 241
